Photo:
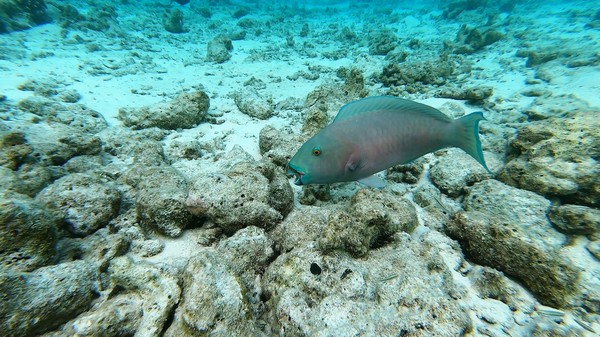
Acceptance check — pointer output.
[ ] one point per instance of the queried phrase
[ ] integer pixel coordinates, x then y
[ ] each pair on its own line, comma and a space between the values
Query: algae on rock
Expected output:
507, 228
41, 300
28, 233
558, 157
185, 111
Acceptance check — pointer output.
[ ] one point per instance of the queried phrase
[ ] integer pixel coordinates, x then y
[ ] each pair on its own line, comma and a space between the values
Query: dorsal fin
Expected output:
388, 103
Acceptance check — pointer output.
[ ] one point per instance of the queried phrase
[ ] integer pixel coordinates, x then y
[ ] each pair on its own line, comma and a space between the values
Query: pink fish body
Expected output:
375, 133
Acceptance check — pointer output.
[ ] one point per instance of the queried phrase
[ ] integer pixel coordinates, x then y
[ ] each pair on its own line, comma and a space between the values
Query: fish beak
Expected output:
291, 171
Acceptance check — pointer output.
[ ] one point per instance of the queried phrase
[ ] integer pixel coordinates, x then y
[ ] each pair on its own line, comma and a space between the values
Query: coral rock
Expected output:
33, 303
185, 111
28, 233
507, 229
557, 157
83, 201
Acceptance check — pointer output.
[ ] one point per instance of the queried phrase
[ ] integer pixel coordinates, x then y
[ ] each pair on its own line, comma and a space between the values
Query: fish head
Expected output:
321, 160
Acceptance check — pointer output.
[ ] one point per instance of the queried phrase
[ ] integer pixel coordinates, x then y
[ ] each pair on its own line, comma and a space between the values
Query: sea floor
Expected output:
144, 193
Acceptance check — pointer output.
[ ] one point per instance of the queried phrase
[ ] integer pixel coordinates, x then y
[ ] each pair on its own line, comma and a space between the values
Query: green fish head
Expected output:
318, 161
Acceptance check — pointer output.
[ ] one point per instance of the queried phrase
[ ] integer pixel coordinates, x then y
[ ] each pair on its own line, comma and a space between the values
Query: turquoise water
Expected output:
146, 187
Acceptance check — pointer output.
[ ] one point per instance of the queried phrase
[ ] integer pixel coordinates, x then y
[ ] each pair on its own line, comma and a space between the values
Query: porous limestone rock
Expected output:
31, 178
97, 18
404, 287
406, 173
158, 286
245, 193
219, 49
470, 40
563, 106
493, 284
250, 102
557, 157
471, 94
24, 175
35, 302
247, 253
455, 8
84, 202
435, 72
575, 219
301, 227
14, 149
28, 233
57, 144
316, 119
325, 100
185, 111
382, 42
78, 117
117, 316
160, 198
278, 146
98, 248
173, 22
55, 132
435, 208
369, 221
507, 228
20, 15
83, 164
140, 146
452, 174
214, 300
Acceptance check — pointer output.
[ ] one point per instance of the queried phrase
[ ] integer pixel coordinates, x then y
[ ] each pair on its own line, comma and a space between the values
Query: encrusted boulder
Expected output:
246, 193
28, 233
213, 300
558, 157
39, 301
508, 229
403, 287
185, 111
368, 222
219, 49
254, 104
84, 202
156, 287
160, 198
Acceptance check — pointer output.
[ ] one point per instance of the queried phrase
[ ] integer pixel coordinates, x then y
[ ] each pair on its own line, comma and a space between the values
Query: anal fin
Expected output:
373, 181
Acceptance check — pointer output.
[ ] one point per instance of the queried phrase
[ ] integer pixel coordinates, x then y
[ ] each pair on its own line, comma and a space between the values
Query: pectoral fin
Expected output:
353, 164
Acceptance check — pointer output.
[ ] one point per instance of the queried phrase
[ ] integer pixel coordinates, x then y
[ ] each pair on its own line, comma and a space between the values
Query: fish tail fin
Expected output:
467, 136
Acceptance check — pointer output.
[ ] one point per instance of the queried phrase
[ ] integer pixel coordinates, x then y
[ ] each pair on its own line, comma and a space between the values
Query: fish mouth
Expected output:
292, 171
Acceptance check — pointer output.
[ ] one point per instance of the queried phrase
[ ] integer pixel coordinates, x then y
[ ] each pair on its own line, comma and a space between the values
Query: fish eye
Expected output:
316, 151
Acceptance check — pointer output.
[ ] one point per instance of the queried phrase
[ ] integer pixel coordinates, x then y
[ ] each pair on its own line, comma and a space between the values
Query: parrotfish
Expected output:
375, 133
